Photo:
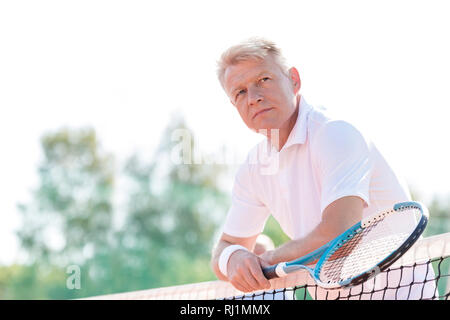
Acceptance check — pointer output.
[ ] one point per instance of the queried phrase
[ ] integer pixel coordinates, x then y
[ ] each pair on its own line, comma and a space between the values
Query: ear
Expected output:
294, 76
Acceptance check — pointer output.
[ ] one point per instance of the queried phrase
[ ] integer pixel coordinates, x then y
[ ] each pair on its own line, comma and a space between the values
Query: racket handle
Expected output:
270, 272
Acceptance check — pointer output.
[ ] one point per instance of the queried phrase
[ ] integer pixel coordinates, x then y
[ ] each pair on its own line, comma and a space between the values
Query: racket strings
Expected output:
367, 247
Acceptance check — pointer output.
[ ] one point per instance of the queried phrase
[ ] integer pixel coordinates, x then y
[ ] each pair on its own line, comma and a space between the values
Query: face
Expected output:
265, 97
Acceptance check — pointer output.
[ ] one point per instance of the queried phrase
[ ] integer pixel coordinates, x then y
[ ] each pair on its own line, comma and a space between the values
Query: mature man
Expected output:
319, 177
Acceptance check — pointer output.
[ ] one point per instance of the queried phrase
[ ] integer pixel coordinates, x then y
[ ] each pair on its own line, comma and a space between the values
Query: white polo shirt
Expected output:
322, 160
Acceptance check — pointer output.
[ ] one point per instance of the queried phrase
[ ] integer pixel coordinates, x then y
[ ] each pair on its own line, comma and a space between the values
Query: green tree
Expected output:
173, 212
71, 213
171, 215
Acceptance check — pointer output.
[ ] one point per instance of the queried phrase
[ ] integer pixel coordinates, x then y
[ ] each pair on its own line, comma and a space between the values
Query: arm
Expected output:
244, 267
337, 218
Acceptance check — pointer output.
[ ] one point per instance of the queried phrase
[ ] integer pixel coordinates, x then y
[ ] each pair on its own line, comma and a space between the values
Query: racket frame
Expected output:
324, 252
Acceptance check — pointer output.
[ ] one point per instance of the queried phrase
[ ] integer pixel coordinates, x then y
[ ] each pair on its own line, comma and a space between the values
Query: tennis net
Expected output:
422, 273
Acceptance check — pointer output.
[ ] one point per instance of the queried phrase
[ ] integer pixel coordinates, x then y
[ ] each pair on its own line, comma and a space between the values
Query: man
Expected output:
320, 176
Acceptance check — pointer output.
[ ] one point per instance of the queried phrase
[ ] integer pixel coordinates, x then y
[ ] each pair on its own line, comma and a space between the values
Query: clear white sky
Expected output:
124, 66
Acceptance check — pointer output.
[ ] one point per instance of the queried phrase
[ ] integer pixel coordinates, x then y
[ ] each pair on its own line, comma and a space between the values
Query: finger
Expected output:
248, 276
264, 263
254, 276
240, 282
239, 286
252, 281
259, 277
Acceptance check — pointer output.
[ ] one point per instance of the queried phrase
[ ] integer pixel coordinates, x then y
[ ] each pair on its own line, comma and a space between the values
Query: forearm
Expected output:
325, 231
294, 249
337, 217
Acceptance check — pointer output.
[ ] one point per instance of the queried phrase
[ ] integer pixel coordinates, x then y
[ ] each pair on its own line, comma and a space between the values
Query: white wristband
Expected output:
225, 256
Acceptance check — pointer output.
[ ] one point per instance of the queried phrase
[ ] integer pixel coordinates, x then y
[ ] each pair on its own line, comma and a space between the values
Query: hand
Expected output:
245, 273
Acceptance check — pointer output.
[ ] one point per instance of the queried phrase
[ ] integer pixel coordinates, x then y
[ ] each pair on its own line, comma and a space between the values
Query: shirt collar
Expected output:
298, 132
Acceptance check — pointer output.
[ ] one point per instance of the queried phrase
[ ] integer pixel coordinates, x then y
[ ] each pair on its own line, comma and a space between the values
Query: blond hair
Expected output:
250, 49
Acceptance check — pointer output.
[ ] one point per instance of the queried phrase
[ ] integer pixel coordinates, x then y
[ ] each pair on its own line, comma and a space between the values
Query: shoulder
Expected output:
323, 122
333, 137
337, 130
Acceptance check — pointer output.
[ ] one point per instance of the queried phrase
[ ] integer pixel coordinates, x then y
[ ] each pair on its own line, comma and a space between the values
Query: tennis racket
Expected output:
364, 250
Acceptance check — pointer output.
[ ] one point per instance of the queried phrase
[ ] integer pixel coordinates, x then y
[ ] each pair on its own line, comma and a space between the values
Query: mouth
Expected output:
261, 112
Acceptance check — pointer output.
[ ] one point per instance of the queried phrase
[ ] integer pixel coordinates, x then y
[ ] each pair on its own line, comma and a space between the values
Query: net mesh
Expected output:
422, 273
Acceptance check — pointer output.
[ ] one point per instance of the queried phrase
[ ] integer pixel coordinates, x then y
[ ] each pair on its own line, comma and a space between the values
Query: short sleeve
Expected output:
247, 214
343, 161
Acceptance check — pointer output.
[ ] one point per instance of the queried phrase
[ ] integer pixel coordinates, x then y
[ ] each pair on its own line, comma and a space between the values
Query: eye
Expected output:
264, 79
239, 93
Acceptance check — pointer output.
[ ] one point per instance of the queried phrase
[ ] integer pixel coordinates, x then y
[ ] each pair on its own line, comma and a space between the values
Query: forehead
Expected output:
244, 71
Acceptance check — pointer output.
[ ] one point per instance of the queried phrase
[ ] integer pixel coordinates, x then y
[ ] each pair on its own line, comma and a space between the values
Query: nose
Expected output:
254, 96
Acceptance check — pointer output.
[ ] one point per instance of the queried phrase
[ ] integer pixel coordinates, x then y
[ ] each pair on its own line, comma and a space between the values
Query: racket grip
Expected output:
270, 272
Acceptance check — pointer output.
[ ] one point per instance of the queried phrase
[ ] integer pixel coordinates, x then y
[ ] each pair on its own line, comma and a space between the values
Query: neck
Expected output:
279, 138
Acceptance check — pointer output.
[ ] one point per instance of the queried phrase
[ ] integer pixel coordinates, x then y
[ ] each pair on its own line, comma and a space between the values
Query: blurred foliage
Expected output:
166, 224
161, 234
71, 209
34, 282
273, 230
439, 209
